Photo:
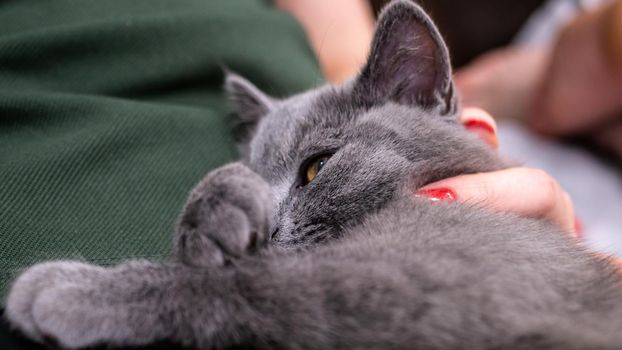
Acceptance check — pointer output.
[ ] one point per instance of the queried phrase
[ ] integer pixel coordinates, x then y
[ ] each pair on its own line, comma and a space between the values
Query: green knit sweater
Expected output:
110, 112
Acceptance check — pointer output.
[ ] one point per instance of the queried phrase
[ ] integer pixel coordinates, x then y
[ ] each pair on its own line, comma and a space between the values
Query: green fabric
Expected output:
111, 110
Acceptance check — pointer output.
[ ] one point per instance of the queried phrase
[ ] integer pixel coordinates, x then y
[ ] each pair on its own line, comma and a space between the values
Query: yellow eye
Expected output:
314, 168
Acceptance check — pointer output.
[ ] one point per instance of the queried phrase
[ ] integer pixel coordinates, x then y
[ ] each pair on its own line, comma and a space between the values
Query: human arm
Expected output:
339, 32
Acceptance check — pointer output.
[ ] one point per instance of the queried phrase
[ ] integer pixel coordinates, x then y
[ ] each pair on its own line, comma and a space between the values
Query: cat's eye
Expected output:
313, 168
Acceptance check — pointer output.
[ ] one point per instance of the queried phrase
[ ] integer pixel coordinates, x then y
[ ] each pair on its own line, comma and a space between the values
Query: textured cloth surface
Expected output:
110, 111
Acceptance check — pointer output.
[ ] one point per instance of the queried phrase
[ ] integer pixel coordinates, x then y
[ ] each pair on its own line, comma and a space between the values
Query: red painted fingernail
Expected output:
578, 227
479, 124
437, 194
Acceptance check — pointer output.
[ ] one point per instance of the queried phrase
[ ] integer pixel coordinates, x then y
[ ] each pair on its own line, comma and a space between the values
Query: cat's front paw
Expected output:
228, 214
35, 283
75, 305
62, 319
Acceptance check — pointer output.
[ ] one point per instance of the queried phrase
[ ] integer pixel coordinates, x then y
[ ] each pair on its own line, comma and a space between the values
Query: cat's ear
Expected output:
249, 103
408, 62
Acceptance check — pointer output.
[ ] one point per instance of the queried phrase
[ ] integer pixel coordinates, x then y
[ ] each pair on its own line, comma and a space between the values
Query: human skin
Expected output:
521, 190
581, 87
503, 81
339, 33
573, 88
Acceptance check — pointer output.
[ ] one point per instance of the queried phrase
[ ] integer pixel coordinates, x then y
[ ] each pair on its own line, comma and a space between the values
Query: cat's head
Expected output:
334, 154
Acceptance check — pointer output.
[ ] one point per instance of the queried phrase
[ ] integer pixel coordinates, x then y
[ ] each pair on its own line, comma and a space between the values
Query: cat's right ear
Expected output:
249, 103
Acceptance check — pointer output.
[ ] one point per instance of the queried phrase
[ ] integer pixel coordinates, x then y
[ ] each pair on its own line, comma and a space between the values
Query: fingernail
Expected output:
437, 194
484, 130
479, 124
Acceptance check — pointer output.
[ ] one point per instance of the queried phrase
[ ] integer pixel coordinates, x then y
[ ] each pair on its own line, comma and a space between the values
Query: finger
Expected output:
522, 191
481, 123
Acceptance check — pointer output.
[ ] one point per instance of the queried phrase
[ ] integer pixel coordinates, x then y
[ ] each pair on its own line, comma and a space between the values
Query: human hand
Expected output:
582, 86
571, 88
524, 191
503, 81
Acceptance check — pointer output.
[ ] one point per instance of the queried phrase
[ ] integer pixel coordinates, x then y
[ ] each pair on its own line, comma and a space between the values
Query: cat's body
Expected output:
346, 257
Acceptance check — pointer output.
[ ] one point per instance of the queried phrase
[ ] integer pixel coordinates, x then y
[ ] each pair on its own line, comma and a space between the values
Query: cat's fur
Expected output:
352, 259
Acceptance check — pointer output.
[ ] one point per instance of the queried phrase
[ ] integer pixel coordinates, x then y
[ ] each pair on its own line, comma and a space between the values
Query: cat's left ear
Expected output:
249, 103
408, 62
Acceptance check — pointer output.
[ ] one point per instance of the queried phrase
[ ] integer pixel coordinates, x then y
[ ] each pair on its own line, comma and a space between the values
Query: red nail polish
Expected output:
479, 124
437, 194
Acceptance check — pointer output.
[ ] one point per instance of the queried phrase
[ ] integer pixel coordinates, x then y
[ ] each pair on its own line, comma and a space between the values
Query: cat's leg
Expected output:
326, 301
76, 305
29, 285
284, 301
228, 214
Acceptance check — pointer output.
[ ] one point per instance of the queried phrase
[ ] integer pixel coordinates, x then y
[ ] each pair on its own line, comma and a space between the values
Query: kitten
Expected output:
315, 241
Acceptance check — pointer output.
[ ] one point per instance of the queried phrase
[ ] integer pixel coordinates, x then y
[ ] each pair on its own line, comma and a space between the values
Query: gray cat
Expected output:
315, 240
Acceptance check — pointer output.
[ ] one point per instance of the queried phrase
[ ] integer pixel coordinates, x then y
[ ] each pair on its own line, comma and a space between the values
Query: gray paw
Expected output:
63, 319
228, 214
23, 306
76, 305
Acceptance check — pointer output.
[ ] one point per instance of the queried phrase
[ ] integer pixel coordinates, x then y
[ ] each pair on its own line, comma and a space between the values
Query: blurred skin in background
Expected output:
340, 33
580, 92
573, 88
